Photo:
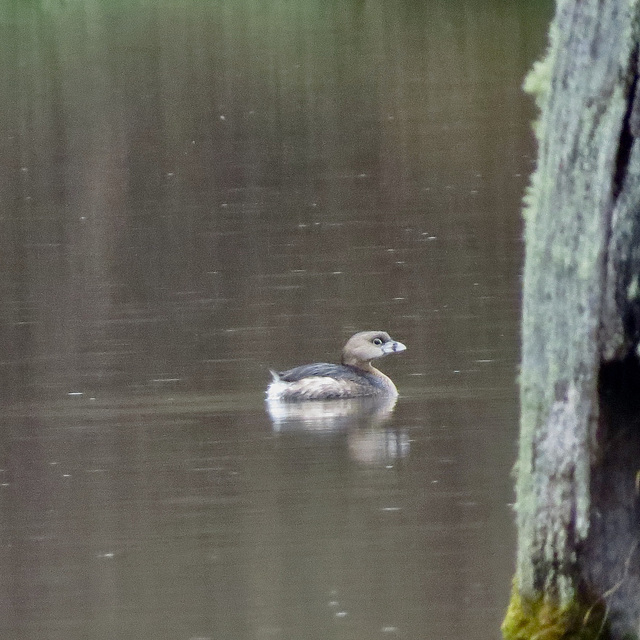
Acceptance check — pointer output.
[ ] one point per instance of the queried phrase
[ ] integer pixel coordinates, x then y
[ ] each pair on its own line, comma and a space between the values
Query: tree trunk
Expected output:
578, 474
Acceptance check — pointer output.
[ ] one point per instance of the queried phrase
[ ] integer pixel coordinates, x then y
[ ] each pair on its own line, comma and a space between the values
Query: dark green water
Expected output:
193, 192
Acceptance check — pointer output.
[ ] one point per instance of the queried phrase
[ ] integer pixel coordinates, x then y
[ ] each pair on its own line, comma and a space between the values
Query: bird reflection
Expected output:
374, 446
330, 415
365, 420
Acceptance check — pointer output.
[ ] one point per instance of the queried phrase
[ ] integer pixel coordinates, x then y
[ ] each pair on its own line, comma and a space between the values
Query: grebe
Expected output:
355, 377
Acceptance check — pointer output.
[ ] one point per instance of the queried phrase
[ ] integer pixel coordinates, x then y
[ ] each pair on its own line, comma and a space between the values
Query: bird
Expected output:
354, 377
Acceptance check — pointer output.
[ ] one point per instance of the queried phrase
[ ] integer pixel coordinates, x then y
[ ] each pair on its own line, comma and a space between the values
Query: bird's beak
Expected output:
393, 347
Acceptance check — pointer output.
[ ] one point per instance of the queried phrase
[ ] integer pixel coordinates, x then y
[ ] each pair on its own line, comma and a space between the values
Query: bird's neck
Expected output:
384, 381
363, 366
357, 363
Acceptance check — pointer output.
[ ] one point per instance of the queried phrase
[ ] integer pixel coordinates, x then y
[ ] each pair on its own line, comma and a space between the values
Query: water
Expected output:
193, 193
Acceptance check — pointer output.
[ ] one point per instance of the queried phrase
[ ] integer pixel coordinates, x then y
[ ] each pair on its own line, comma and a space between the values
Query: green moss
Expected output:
543, 619
538, 81
633, 290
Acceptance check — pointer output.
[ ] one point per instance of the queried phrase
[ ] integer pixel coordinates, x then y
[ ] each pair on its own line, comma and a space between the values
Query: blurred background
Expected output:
195, 192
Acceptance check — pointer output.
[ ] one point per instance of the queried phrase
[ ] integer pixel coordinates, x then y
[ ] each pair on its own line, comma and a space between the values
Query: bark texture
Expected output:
577, 497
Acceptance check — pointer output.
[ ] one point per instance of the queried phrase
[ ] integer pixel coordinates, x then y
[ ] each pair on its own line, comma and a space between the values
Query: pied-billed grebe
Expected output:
354, 378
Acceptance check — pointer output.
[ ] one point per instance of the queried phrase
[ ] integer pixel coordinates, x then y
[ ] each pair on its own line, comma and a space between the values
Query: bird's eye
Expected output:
377, 342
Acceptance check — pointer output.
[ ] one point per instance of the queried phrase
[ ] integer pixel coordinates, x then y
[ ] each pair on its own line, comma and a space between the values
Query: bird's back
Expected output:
325, 381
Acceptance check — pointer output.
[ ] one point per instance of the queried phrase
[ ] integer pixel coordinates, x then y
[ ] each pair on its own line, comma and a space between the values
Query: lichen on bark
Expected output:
581, 312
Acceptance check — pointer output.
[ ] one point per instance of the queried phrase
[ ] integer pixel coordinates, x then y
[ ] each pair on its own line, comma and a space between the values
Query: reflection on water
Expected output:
195, 192
331, 415
364, 419
378, 445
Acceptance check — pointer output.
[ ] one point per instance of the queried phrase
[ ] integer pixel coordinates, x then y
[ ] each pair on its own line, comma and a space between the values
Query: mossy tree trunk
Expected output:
578, 474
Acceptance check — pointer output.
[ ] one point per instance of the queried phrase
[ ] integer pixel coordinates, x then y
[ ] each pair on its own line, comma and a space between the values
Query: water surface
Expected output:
196, 192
